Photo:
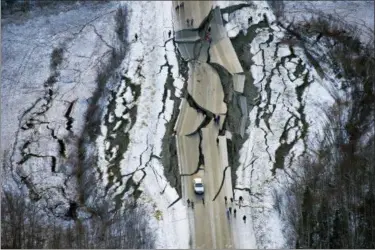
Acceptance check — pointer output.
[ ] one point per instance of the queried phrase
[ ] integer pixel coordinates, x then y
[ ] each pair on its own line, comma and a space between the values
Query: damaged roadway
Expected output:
204, 153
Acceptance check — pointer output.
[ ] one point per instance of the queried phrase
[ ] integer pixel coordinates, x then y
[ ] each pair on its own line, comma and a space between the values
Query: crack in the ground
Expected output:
101, 37
31, 122
204, 123
222, 183
266, 143
62, 150
68, 116
121, 140
29, 155
200, 157
179, 198
169, 158
192, 103
283, 150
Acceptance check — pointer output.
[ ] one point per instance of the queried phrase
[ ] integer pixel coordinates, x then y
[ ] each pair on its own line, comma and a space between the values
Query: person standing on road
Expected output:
225, 198
217, 140
231, 200
244, 218
136, 36
187, 22
230, 210
188, 202
227, 213
203, 200
234, 212
192, 204
182, 5
169, 34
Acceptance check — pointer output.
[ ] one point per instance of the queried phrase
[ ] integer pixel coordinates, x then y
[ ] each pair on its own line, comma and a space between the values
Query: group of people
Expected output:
191, 203
181, 5
189, 22
136, 35
229, 210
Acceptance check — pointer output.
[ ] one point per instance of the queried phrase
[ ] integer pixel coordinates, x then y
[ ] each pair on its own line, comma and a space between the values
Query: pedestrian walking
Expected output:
177, 7
182, 5
203, 200
231, 200
136, 36
192, 20
192, 204
187, 22
241, 199
225, 198
244, 218
230, 210
209, 29
228, 213
188, 202
217, 140
234, 212
169, 34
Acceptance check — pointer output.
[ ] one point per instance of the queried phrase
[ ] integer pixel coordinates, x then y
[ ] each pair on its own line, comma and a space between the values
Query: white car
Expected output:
198, 186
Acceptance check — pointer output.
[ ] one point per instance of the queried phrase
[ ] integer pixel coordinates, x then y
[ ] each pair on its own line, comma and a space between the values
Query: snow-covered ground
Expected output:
86, 39
36, 97
285, 113
84, 35
143, 67
360, 14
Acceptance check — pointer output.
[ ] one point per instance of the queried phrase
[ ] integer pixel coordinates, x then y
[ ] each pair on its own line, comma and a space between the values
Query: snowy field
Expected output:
360, 14
43, 107
42, 104
287, 121
83, 35
143, 65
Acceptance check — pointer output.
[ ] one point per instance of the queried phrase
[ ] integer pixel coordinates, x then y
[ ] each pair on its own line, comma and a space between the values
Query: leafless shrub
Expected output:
56, 57
24, 225
278, 8
332, 205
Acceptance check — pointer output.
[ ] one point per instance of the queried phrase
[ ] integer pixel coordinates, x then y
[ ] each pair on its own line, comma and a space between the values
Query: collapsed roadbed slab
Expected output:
189, 119
223, 53
205, 87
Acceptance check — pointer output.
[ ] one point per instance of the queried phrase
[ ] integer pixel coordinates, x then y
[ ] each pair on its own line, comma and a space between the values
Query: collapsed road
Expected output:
201, 142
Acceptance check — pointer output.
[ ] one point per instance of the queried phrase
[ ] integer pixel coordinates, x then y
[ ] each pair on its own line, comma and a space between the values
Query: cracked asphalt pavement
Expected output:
201, 151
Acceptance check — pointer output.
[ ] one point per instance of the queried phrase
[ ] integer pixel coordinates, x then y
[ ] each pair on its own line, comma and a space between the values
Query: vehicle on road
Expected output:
198, 186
